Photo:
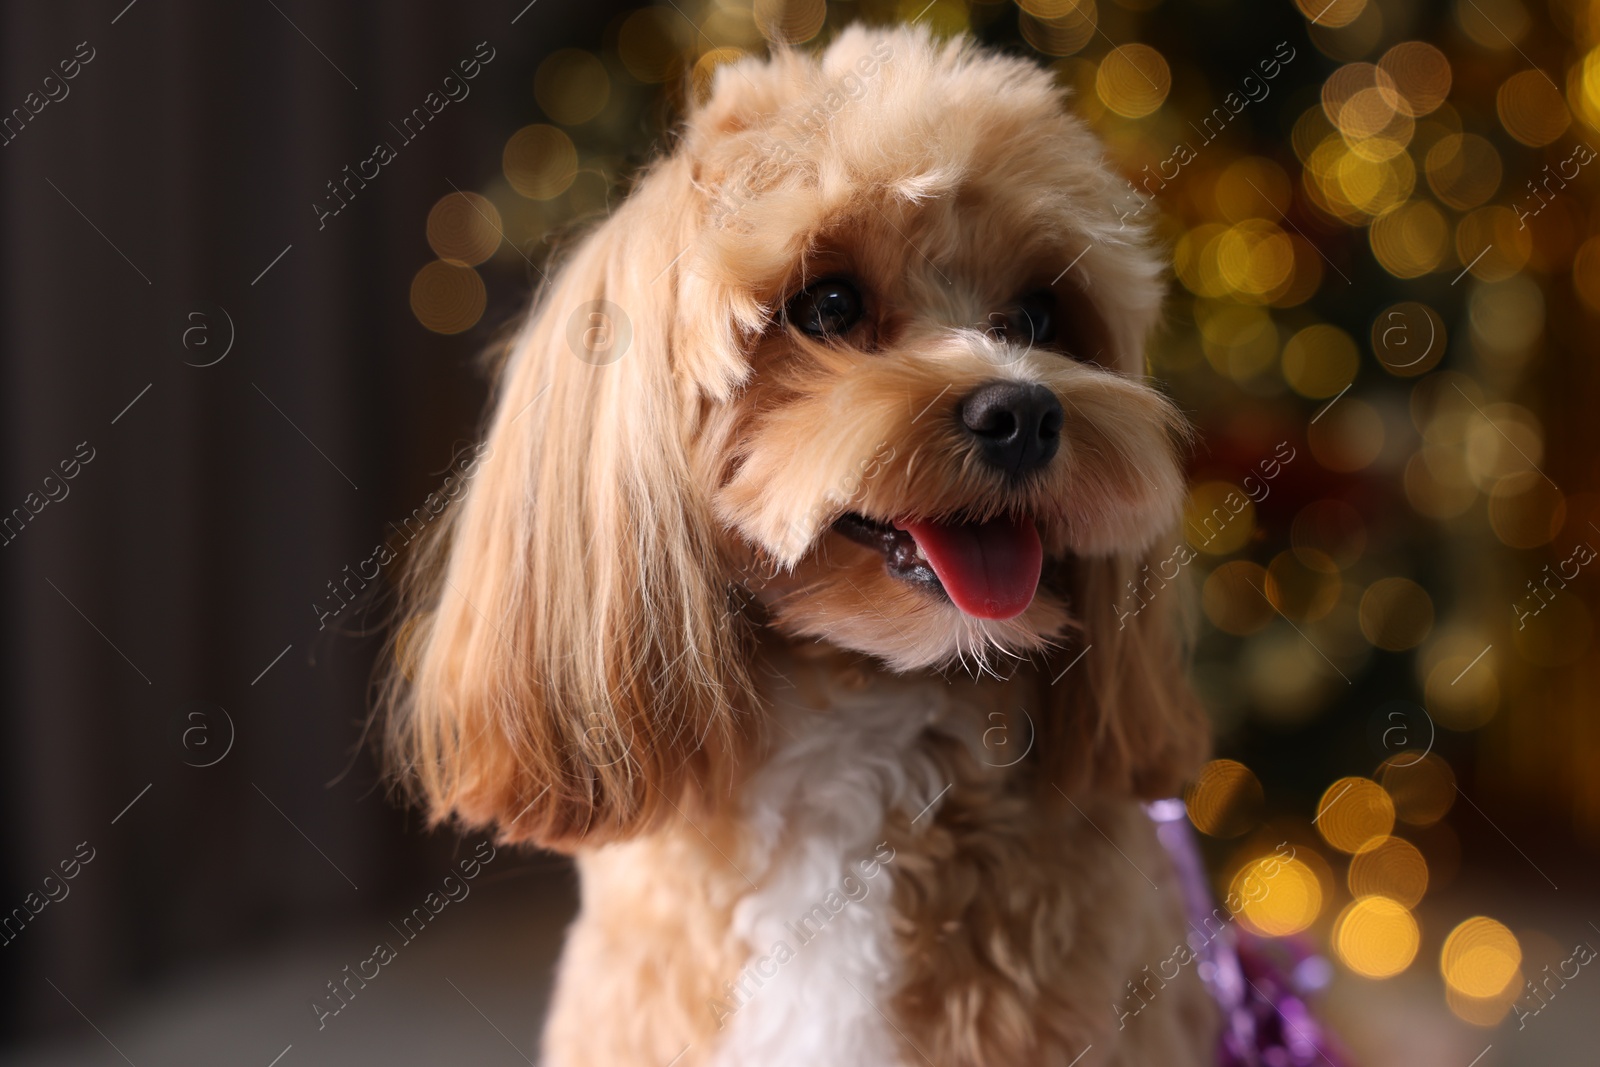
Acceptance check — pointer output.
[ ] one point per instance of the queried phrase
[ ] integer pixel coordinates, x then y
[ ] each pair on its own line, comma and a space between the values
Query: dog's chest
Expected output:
849, 770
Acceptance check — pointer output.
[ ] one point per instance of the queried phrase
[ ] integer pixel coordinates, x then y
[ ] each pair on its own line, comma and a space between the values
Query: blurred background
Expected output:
252, 253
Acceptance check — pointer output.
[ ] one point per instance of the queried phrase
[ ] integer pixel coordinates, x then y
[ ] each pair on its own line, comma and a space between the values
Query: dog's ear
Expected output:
1118, 714
568, 671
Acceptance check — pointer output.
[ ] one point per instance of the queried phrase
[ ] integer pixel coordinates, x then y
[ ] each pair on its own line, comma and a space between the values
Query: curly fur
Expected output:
639, 639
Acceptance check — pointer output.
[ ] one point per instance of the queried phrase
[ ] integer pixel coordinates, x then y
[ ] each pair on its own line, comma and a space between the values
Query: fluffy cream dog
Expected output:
783, 597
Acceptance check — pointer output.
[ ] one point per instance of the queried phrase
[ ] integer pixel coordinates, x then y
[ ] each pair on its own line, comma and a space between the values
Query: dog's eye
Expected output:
1032, 320
825, 308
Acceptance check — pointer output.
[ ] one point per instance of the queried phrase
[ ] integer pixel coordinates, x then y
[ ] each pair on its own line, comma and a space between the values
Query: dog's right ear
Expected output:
567, 669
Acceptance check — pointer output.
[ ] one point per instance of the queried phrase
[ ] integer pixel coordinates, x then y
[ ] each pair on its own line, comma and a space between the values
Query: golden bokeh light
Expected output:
1370, 113
1240, 342
1280, 896
1064, 35
1250, 188
1393, 868
1493, 24
1320, 360
1287, 681
464, 229
1233, 599
1420, 74
1349, 82
1225, 799
1331, 13
1463, 170
1256, 260
1218, 518
1306, 280
1411, 239
1354, 187
1195, 261
1493, 243
1311, 130
1507, 320
1461, 694
447, 297
540, 161
1423, 788
1501, 440
1303, 583
572, 86
1583, 88
1050, 10
1348, 437
1480, 958
1531, 108
1133, 80
650, 43
789, 21
1396, 614
1355, 814
945, 18
1376, 937
1352, 41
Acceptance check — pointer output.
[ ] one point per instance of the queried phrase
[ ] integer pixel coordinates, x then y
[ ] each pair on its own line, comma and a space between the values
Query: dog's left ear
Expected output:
1118, 714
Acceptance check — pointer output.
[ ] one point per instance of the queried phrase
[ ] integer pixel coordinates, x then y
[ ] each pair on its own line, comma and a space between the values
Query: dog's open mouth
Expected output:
990, 570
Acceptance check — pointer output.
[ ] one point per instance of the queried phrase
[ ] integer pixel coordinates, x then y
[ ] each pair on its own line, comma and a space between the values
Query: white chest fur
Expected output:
820, 920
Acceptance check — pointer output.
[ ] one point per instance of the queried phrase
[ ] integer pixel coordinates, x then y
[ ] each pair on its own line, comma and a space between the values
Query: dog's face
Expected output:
884, 329
945, 403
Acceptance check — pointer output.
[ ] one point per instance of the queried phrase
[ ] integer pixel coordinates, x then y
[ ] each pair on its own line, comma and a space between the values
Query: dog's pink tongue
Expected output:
990, 569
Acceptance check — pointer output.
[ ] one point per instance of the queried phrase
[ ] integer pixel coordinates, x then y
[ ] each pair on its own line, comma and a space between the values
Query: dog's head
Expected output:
861, 361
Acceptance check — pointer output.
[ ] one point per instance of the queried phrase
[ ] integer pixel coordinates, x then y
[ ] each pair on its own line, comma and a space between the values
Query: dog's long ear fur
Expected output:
1123, 718
568, 670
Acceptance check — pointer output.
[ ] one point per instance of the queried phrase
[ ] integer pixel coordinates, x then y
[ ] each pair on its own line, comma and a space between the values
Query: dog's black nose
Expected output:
1017, 425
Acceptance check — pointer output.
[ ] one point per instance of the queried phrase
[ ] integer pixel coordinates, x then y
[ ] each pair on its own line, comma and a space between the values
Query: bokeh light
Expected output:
1420, 74
1319, 361
1396, 614
1355, 814
1422, 788
1481, 961
1225, 799
1393, 868
464, 228
1376, 937
1133, 80
1280, 896
1531, 108
1219, 518
789, 21
447, 297
572, 86
649, 43
540, 162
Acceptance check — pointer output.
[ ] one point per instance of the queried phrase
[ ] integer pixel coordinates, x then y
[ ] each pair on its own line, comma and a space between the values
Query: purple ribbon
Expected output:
1260, 984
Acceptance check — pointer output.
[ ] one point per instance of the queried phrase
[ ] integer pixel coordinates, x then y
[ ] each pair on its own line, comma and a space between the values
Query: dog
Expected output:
783, 595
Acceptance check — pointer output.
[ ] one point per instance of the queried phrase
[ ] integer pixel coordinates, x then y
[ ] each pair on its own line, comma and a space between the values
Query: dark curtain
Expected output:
158, 606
